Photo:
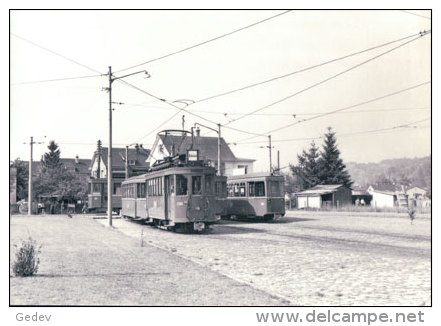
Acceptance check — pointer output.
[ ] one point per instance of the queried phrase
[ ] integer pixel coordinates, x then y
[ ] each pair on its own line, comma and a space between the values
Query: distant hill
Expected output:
411, 172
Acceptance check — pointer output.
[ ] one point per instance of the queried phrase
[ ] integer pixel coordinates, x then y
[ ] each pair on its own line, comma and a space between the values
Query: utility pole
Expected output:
278, 161
270, 159
30, 176
127, 162
30, 181
219, 169
109, 156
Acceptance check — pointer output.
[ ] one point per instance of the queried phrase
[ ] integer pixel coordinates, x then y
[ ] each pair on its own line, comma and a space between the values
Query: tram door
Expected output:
168, 191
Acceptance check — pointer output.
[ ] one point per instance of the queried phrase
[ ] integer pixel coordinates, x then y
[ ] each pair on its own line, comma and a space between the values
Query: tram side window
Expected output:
220, 188
230, 189
181, 185
117, 188
196, 185
236, 190
140, 190
150, 187
242, 192
251, 189
256, 189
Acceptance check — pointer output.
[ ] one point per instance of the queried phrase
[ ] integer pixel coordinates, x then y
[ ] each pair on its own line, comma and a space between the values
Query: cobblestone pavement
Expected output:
313, 259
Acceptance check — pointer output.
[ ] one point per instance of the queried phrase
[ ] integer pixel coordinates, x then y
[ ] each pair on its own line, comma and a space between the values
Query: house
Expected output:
169, 143
388, 196
136, 162
324, 196
416, 193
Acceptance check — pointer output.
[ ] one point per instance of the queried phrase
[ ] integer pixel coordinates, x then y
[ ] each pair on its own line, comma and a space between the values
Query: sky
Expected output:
365, 73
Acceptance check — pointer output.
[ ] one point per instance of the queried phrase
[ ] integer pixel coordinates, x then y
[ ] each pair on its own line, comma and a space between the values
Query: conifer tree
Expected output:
308, 168
332, 168
51, 159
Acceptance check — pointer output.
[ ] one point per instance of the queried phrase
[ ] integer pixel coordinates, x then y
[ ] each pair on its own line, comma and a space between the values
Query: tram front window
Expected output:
196, 185
208, 184
97, 188
181, 185
276, 188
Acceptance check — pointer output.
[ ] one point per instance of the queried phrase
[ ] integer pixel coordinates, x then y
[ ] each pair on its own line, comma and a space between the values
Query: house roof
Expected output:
386, 189
207, 146
71, 164
119, 154
81, 167
320, 190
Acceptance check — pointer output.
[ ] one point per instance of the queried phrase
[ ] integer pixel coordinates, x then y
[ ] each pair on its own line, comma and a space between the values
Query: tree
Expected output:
22, 178
60, 182
332, 169
308, 169
56, 180
51, 160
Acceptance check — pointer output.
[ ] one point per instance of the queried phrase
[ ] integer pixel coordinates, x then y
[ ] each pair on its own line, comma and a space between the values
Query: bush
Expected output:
26, 258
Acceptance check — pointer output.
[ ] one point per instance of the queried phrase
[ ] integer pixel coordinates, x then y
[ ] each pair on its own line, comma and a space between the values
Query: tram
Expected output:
255, 195
97, 195
175, 194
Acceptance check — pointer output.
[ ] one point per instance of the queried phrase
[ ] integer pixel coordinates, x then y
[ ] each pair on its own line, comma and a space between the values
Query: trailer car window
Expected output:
242, 190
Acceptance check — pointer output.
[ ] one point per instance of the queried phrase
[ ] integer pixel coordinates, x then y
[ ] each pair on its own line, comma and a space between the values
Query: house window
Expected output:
132, 162
245, 167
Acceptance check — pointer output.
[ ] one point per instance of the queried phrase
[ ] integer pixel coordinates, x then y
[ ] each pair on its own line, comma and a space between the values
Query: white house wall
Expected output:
382, 200
103, 173
309, 202
158, 152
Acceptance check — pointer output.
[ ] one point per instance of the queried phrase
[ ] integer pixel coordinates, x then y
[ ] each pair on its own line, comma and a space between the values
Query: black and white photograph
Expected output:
221, 158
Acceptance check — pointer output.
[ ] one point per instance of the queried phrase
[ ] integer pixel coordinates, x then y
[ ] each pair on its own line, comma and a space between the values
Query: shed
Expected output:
324, 196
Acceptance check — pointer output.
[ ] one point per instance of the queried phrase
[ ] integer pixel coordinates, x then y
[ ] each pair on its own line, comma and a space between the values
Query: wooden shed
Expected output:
322, 196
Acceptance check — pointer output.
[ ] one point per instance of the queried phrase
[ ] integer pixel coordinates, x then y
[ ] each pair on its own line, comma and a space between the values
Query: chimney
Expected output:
198, 132
77, 159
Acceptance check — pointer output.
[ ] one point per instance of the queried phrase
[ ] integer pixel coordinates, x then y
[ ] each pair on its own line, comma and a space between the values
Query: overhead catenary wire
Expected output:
343, 109
307, 113
397, 127
205, 42
54, 80
179, 111
415, 14
327, 79
56, 53
305, 69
